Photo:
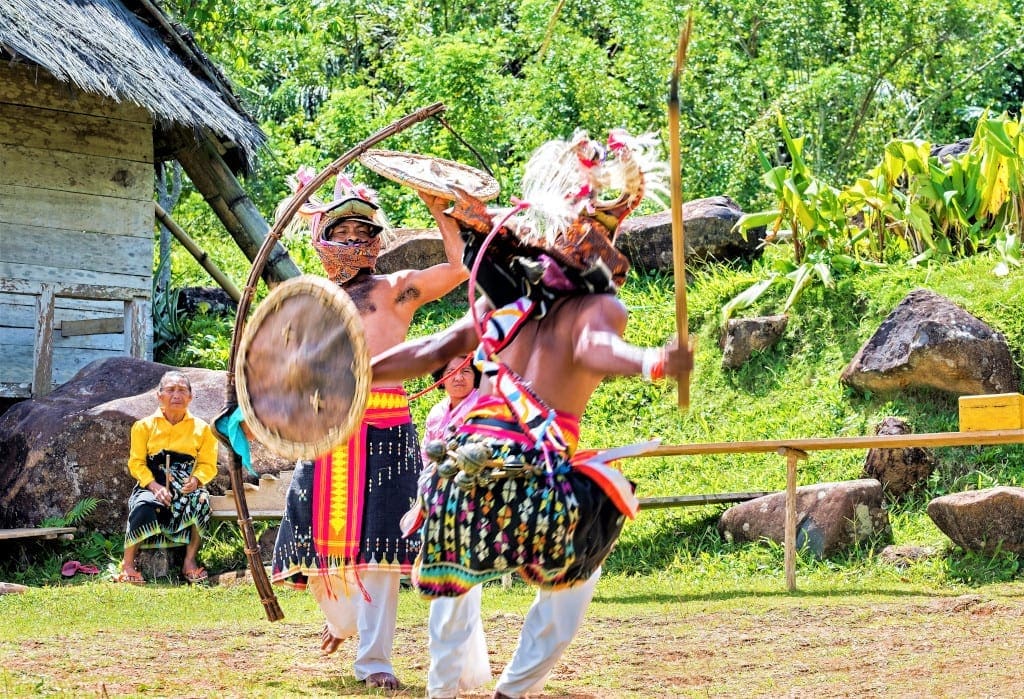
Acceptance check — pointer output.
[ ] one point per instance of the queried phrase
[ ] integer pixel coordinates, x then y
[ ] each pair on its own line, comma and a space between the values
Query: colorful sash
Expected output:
340, 479
533, 415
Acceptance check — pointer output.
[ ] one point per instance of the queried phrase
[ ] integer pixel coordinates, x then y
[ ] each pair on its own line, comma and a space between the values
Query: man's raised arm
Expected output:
434, 282
598, 345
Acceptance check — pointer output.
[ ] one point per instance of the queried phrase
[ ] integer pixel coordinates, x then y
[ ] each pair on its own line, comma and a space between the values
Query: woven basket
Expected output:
429, 174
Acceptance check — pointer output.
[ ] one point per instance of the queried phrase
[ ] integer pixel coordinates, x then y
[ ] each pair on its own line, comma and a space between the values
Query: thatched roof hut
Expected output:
93, 93
130, 52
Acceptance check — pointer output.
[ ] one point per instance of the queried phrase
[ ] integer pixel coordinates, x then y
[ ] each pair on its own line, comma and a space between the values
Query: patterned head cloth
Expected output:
341, 259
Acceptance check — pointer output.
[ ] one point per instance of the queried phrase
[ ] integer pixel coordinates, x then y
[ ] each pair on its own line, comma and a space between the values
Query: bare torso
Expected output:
386, 307
543, 353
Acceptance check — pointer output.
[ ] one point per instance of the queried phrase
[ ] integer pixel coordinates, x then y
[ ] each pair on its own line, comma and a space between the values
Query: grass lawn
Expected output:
650, 636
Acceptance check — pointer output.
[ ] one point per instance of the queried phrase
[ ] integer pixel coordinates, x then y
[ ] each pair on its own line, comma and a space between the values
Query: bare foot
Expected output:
328, 642
384, 680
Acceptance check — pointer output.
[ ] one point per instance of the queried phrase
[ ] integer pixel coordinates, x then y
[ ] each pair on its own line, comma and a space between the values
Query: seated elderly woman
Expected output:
172, 455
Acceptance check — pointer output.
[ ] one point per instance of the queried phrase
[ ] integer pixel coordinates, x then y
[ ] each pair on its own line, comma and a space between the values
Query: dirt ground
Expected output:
901, 645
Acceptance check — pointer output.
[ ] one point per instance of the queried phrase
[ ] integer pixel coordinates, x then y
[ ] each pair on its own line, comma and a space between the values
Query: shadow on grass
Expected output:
348, 685
662, 598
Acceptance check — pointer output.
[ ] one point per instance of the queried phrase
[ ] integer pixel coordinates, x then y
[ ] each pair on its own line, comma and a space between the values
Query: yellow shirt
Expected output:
190, 436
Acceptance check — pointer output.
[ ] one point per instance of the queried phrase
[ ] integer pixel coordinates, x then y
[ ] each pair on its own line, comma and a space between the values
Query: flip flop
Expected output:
195, 576
71, 568
130, 578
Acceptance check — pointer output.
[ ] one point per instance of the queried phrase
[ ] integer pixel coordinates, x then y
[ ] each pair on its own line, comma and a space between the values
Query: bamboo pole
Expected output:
789, 562
894, 441
232, 205
197, 252
678, 232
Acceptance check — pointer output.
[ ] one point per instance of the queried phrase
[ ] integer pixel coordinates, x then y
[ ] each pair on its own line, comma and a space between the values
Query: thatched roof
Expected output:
129, 51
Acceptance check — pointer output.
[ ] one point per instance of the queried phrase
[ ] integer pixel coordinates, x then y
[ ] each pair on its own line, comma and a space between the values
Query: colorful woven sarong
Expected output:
153, 525
554, 524
343, 511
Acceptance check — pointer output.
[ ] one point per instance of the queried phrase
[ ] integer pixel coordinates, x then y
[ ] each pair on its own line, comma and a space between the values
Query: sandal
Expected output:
196, 575
130, 578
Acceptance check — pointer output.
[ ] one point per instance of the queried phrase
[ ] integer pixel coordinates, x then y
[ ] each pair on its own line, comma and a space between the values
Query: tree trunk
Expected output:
214, 180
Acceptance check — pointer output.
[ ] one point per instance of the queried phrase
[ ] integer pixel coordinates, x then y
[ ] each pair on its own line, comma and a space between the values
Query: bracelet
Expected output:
652, 368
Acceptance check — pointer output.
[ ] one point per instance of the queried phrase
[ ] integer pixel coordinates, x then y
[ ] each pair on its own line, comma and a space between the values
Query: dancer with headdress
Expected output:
340, 535
511, 491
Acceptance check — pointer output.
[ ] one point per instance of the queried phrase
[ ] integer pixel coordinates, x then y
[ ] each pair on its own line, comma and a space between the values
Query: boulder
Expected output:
72, 444
984, 521
709, 223
741, 337
206, 300
831, 517
929, 342
946, 152
416, 248
411, 248
898, 470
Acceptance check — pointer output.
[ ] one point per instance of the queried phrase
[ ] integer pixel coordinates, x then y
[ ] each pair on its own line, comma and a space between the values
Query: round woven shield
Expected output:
429, 174
303, 369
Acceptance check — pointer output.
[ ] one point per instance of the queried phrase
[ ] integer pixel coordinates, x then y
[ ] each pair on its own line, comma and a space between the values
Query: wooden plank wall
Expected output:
76, 230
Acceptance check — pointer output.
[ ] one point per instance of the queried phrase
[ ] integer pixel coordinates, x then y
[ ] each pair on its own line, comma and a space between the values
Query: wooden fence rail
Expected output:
796, 449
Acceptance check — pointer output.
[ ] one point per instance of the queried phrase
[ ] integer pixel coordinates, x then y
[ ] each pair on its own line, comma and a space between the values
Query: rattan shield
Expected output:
303, 369
429, 174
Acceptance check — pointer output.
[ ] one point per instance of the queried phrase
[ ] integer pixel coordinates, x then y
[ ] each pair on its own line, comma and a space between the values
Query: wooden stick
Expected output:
197, 252
168, 478
792, 456
695, 500
892, 441
678, 232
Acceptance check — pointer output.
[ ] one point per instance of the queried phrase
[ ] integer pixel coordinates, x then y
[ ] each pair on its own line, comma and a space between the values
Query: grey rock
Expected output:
831, 517
984, 521
709, 224
741, 337
898, 470
929, 342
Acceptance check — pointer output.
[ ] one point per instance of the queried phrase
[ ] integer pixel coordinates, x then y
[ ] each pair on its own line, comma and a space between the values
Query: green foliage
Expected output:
205, 341
78, 512
911, 207
167, 326
224, 546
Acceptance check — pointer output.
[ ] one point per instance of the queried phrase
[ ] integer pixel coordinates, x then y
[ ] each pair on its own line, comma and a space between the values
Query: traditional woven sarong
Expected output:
156, 526
554, 523
343, 510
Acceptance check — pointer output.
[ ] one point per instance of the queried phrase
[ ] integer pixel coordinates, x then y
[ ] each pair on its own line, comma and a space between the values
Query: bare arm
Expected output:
424, 354
436, 281
599, 346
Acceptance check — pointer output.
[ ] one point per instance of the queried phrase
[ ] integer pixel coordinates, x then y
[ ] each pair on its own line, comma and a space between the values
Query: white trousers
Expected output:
348, 613
458, 649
